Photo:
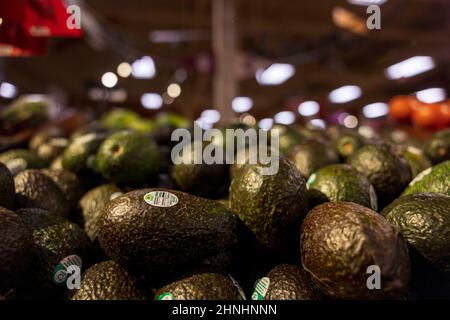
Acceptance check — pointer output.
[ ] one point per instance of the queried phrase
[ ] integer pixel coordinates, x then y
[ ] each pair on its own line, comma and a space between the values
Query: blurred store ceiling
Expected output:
177, 35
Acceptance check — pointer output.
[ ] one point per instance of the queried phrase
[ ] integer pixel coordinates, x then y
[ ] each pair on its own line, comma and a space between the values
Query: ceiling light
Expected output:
242, 104
109, 80
351, 121
174, 90
144, 68
8, 90
432, 95
345, 94
210, 116
367, 2
151, 101
318, 123
276, 74
308, 108
410, 67
375, 110
124, 70
266, 124
285, 117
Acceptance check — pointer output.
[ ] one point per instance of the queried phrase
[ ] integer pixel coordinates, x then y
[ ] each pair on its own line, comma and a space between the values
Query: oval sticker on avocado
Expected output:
261, 288
165, 296
59, 274
161, 199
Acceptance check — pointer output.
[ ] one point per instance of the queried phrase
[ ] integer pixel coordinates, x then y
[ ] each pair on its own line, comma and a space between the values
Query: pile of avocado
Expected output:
103, 214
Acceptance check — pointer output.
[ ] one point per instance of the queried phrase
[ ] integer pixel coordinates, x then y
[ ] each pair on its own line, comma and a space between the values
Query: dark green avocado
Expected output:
311, 155
438, 147
160, 232
347, 143
434, 179
57, 242
18, 160
202, 286
417, 161
108, 281
287, 282
128, 157
34, 189
341, 182
203, 180
424, 220
68, 183
79, 157
341, 241
92, 205
288, 138
387, 172
7, 189
16, 245
271, 206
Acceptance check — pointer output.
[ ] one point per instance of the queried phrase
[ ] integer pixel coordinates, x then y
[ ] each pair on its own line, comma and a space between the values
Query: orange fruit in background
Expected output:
428, 115
400, 107
445, 113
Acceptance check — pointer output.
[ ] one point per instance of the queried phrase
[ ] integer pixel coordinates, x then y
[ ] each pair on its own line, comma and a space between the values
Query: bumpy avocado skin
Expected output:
54, 239
434, 179
416, 160
387, 172
36, 190
271, 206
311, 155
68, 183
290, 282
340, 240
347, 143
202, 286
438, 147
16, 245
18, 160
340, 182
7, 188
203, 180
190, 233
128, 157
92, 205
77, 157
424, 220
108, 281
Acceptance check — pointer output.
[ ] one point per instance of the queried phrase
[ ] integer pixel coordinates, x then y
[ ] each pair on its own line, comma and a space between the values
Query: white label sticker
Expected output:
59, 275
261, 288
162, 199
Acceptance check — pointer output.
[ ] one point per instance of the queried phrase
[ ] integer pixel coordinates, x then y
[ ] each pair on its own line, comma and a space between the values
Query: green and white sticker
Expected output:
311, 180
17, 165
165, 296
261, 288
161, 199
236, 284
59, 274
420, 176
